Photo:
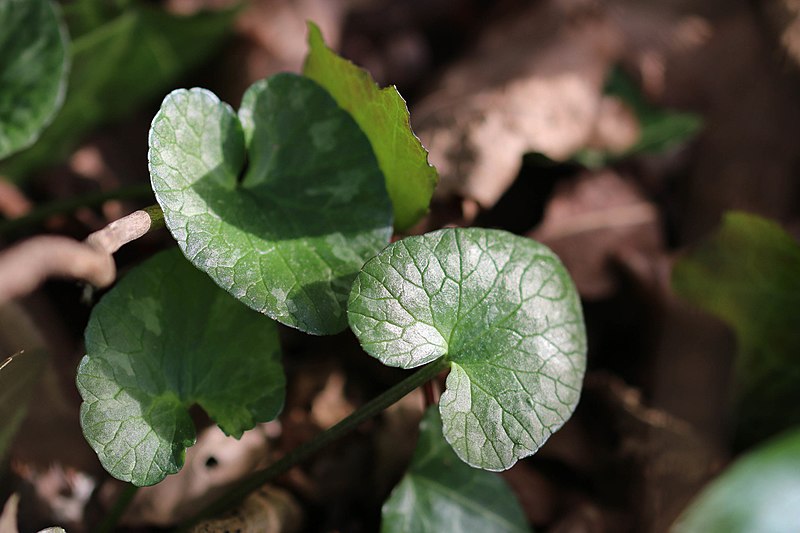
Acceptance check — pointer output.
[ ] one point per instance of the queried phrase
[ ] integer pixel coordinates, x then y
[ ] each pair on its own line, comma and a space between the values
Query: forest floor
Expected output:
515, 101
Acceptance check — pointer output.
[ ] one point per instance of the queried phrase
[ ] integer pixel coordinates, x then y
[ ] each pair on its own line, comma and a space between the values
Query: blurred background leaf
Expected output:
123, 55
748, 274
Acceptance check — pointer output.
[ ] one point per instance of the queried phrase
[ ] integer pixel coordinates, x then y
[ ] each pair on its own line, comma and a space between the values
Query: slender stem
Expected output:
319, 441
110, 521
68, 205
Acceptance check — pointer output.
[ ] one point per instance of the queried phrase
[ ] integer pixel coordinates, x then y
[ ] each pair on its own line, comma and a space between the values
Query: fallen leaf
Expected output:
8, 518
533, 84
211, 465
671, 460
275, 31
270, 510
594, 220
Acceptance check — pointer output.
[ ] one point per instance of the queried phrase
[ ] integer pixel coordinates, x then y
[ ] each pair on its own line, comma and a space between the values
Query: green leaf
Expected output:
502, 310
131, 58
289, 237
33, 70
748, 274
18, 376
440, 493
163, 339
759, 492
383, 115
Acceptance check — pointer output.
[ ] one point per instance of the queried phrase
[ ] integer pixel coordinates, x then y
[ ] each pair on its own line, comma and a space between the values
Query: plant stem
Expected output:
319, 441
68, 205
110, 521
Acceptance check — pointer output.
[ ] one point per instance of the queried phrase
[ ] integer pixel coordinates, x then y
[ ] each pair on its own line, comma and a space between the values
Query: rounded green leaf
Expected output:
33, 70
440, 493
502, 310
383, 115
289, 237
759, 492
163, 339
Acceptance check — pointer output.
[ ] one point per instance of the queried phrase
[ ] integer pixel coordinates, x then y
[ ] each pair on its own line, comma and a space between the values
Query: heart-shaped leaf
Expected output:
440, 493
163, 339
502, 310
289, 237
383, 115
33, 70
759, 492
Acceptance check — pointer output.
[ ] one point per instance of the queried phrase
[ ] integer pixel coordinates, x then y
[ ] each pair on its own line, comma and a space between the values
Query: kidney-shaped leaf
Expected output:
281, 205
759, 492
33, 70
383, 115
164, 339
502, 310
440, 493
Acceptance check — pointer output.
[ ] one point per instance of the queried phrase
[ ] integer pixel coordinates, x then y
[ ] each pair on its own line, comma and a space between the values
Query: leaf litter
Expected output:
745, 158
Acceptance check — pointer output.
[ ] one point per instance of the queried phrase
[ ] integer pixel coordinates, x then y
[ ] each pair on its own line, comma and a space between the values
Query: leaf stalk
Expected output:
239, 491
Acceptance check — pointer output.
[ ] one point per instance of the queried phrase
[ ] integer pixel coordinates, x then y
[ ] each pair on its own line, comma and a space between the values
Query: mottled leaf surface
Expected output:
122, 58
760, 492
441, 493
502, 310
748, 274
18, 377
33, 70
163, 339
287, 237
383, 115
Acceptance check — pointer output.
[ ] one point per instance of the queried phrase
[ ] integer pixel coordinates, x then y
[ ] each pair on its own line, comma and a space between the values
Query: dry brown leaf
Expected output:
723, 61
673, 461
594, 220
268, 510
276, 29
533, 84
8, 518
616, 128
784, 17
9, 515
211, 465
54, 411
13, 202
331, 404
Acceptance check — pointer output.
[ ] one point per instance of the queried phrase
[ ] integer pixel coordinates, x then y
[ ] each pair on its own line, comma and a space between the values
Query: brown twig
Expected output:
28, 264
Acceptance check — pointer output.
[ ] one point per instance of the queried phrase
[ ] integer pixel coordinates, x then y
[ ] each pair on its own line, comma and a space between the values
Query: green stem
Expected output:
109, 523
321, 440
156, 216
68, 205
